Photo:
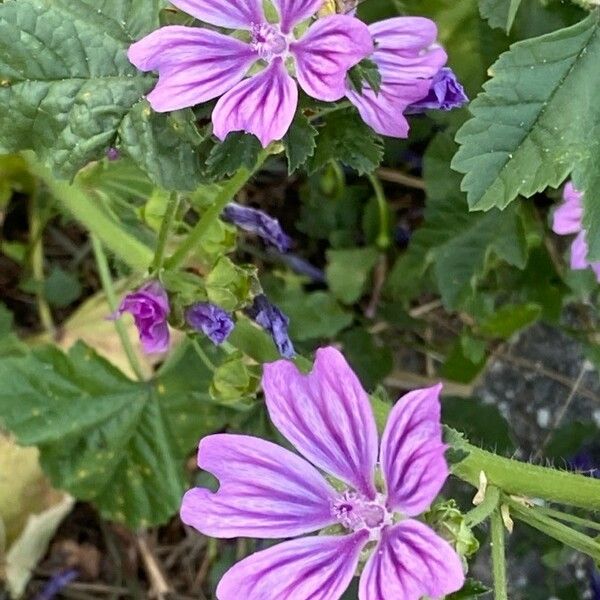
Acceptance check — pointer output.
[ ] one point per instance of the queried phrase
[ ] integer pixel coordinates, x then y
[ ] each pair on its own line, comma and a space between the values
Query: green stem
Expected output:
165, 230
226, 195
37, 264
524, 479
383, 238
203, 356
327, 111
89, 213
107, 285
498, 556
485, 509
568, 518
559, 531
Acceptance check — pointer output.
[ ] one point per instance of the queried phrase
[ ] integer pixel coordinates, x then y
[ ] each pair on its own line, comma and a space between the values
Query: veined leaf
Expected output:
68, 91
537, 120
102, 437
500, 13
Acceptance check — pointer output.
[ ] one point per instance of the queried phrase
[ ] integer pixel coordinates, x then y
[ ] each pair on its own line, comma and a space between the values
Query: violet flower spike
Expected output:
258, 222
567, 220
446, 93
214, 322
196, 65
267, 491
272, 320
150, 308
408, 58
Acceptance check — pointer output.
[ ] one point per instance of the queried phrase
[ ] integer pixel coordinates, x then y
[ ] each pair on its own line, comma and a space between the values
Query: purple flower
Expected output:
267, 491
150, 309
213, 321
198, 64
568, 219
446, 93
303, 267
271, 319
113, 153
408, 58
258, 222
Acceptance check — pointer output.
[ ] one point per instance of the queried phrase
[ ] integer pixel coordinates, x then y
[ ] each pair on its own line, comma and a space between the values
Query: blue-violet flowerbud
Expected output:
257, 222
445, 93
272, 320
213, 321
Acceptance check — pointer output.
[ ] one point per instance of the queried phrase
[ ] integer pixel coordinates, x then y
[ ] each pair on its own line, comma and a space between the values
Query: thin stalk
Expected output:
226, 195
327, 111
37, 264
165, 230
109, 291
203, 356
568, 518
554, 529
498, 556
383, 237
485, 509
87, 210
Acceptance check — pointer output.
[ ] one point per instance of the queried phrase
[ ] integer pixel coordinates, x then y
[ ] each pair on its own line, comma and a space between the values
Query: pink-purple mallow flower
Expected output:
214, 322
258, 222
408, 58
568, 220
196, 65
150, 308
267, 491
446, 93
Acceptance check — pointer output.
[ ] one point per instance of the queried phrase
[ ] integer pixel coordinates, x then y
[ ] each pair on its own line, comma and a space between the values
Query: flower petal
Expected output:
408, 59
568, 216
323, 56
232, 14
315, 568
195, 65
412, 452
411, 561
265, 491
326, 415
292, 12
263, 105
579, 252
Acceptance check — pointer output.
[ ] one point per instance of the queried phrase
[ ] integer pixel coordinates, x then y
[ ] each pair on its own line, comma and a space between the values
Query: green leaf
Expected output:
238, 150
233, 380
61, 288
348, 272
103, 438
164, 146
66, 85
229, 285
346, 138
527, 133
500, 13
460, 246
365, 72
299, 142
471, 590
509, 319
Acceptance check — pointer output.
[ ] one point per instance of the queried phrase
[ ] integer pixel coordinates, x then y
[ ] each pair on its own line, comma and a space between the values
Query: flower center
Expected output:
356, 512
268, 40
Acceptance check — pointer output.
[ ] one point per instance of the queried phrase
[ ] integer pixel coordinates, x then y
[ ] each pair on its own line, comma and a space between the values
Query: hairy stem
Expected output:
107, 285
383, 237
498, 556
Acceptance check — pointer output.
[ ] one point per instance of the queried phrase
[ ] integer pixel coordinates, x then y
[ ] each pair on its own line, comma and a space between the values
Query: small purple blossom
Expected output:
55, 585
196, 65
213, 321
568, 219
257, 222
446, 93
303, 267
150, 308
408, 58
267, 491
113, 153
272, 320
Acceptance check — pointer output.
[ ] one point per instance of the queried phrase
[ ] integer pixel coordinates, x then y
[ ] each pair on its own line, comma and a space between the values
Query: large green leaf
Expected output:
68, 91
103, 437
458, 245
500, 13
538, 118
